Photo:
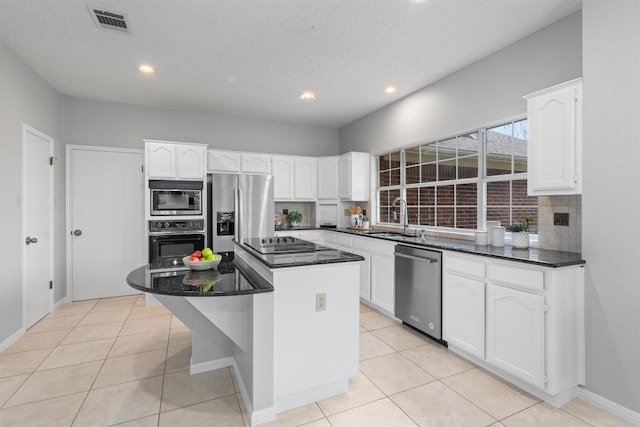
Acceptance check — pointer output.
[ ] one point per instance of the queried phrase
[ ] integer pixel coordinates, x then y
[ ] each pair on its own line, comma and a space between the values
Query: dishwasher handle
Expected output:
417, 258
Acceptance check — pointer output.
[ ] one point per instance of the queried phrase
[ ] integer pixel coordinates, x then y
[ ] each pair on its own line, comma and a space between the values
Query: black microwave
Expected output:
175, 197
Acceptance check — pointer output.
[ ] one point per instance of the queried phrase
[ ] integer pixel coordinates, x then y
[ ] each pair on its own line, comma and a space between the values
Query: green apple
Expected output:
210, 257
206, 252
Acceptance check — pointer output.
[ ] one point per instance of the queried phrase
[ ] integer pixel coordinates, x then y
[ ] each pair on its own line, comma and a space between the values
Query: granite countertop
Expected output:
301, 259
233, 277
542, 257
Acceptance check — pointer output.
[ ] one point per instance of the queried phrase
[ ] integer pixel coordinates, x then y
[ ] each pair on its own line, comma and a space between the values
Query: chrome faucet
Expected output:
395, 215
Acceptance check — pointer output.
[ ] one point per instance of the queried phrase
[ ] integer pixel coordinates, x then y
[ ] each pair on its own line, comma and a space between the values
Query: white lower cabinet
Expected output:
382, 282
463, 317
515, 333
523, 322
365, 274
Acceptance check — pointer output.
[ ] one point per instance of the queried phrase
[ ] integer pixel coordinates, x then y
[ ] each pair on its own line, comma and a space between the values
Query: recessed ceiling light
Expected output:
417, 1
146, 69
390, 90
308, 96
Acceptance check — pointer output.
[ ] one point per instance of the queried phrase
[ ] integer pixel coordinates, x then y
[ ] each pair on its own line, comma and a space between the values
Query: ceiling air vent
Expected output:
109, 20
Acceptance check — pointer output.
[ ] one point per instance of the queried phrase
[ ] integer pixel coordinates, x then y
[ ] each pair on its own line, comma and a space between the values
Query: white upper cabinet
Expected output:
166, 160
191, 161
304, 179
282, 169
555, 140
328, 178
256, 163
354, 176
223, 161
294, 177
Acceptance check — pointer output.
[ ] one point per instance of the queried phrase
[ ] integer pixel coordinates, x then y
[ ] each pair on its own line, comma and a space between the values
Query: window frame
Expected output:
481, 180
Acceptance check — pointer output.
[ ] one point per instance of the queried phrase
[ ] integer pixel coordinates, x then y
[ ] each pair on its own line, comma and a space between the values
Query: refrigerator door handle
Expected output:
237, 234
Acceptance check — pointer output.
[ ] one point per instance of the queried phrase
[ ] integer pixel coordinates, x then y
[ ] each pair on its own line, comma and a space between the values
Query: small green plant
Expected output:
365, 218
519, 227
294, 216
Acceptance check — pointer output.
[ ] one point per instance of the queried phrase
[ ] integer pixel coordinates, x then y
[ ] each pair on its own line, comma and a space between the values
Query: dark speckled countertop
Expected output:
233, 277
542, 257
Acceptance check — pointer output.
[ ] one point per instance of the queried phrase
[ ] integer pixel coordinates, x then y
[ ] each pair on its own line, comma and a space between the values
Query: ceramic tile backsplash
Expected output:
560, 237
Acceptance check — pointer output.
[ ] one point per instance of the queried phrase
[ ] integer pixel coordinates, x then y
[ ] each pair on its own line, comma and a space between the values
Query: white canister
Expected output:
497, 236
489, 225
482, 238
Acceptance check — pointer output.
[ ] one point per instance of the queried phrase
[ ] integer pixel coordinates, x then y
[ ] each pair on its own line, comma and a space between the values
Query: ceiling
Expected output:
254, 58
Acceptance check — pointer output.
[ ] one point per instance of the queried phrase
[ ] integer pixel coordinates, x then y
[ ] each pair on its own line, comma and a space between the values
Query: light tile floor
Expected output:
116, 362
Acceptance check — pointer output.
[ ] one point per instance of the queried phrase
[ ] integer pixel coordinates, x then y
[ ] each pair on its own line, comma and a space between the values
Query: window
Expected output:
461, 181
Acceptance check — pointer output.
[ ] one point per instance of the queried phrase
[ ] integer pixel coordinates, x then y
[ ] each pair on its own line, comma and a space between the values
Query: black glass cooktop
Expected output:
282, 245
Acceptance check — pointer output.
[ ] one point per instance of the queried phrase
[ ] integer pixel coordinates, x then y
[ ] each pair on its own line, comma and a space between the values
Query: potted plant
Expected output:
365, 222
294, 218
520, 233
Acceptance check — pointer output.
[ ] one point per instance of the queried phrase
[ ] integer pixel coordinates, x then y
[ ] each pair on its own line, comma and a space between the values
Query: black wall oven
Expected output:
170, 241
175, 197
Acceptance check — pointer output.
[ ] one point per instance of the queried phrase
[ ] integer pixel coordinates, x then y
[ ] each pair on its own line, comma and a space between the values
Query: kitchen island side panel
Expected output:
314, 349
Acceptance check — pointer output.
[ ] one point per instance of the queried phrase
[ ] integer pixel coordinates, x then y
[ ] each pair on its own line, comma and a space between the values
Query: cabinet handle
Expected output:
417, 258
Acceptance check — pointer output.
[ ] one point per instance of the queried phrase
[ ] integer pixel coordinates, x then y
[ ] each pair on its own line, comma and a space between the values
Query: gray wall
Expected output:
486, 91
611, 198
88, 122
24, 98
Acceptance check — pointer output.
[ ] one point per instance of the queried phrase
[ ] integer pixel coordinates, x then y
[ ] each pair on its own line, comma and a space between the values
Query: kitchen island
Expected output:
290, 333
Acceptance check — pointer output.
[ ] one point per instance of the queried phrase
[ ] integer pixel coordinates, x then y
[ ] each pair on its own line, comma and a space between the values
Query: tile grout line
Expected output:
101, 367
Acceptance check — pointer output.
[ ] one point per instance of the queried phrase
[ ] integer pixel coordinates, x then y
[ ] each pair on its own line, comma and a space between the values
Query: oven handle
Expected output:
417, 258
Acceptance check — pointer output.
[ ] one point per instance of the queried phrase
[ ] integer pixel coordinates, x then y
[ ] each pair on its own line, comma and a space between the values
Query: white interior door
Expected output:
106, 220
37, 225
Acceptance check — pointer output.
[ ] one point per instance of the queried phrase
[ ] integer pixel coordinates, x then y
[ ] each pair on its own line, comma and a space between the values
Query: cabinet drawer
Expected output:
518, 277
464, 265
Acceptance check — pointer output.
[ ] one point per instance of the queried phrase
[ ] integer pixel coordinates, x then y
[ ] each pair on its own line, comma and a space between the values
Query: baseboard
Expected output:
11, 339
609, 406
61, 301
211, 365
255, 417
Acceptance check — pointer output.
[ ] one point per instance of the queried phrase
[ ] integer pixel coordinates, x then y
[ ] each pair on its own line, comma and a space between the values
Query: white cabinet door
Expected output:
223, 161
256, 163
463, 313
328, 178
304, 180
515, 333
365, 274
555, 140
382, 277
160, 160
191, 161
282, 169
344, 165
354, 176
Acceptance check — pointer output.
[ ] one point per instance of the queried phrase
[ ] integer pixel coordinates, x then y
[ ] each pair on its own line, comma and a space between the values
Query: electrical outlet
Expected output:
560, 218
321, 301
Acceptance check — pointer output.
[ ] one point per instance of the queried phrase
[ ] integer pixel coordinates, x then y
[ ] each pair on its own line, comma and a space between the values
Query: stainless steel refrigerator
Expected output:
238, 207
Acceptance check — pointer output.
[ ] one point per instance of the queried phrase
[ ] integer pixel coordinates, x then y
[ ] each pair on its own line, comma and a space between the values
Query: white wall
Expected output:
24, 98
486, 91
611, 198
109, 124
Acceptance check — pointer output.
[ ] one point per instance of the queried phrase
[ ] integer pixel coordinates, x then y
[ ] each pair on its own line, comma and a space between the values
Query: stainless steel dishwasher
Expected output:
418, 289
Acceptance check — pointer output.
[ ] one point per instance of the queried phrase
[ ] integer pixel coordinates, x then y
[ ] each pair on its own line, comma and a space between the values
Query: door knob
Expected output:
30, 240
77, 232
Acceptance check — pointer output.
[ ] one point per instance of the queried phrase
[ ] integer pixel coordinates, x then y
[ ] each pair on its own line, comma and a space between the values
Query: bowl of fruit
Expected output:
202, 260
